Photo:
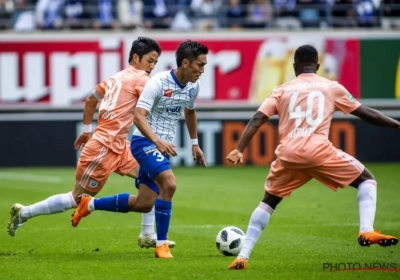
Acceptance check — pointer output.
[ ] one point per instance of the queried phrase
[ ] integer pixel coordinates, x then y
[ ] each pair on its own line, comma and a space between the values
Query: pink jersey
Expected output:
305, 107
116, 112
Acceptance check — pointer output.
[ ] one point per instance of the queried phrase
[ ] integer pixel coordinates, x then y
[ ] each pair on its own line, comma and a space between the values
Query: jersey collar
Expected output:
176, 79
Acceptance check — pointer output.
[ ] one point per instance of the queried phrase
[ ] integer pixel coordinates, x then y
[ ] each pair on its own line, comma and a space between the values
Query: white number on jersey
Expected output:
159, 155
299, 115
111, 96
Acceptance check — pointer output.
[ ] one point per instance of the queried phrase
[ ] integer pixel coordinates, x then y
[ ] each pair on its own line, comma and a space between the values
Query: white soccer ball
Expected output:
230, 241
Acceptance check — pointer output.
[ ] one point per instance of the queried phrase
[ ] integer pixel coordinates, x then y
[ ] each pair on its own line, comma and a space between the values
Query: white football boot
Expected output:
150, 241
16, 221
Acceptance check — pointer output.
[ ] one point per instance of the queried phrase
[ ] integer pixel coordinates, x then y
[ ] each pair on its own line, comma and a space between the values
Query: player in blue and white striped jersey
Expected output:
164, 98
159, 108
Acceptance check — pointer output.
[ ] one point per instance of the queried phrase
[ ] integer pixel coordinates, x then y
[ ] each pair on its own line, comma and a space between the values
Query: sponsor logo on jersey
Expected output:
149, 149
174, 110
168, 92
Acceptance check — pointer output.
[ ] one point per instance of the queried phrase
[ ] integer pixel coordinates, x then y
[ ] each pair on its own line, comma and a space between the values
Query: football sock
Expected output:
258, 221
54, 204
148, 223
162, 211
367, 204
116, 203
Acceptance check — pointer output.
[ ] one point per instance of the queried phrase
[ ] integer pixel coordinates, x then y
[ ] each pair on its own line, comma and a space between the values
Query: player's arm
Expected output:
88, 112
90, 108
259, 118
267, 109
375, 117
150, 93
346, 103
252, 127
143, 125
191, 124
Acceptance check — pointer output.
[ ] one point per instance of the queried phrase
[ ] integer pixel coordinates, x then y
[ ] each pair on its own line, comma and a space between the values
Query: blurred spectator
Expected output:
205, 13
23, 17
259, 14
6, 9
235, 14
104, 15
158, 13
77, 14
286, 14
311, 12
49, 14
367, 13
130, 13
343, 14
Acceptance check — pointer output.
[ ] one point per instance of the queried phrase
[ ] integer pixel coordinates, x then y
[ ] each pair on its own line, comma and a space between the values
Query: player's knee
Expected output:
364, 176
168, 184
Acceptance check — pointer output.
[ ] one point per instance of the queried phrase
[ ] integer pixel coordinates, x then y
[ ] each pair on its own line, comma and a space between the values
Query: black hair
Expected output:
306, 55
142, 46
189, 50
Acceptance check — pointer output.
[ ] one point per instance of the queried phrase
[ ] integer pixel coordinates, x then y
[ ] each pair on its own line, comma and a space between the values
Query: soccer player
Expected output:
107, 150
305, 107
158, 111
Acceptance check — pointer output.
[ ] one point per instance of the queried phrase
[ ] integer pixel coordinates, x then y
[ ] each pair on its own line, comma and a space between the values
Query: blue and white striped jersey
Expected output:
165, 99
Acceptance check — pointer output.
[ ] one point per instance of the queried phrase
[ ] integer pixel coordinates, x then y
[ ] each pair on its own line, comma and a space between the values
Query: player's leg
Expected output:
344, 170
166, 183
366, 186
89, 164
280, 183
156, 168
147, 237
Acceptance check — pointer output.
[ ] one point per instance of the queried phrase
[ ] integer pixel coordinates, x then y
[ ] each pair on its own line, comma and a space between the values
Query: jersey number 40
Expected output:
299, 115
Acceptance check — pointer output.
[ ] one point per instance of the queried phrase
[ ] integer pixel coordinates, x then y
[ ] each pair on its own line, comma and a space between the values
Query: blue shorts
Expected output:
152, 162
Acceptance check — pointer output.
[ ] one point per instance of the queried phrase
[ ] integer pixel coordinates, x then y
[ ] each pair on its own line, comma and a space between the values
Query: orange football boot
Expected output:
238, 264
375, 237
163, 251
82, 210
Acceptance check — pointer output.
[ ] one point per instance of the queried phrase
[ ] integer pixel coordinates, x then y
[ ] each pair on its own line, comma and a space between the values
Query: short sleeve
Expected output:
100, 90
270, 105
139, 87
344, 101
193, 93
151, 91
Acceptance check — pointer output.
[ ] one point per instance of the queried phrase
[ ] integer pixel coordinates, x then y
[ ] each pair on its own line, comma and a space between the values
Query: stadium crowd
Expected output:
31, 15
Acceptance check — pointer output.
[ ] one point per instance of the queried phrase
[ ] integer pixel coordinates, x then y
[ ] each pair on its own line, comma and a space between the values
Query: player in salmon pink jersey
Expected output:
305, 107
107, 151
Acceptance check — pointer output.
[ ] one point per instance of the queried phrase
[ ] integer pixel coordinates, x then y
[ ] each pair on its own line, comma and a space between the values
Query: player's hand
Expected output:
166, 148
235, 156
198, 155
82, 140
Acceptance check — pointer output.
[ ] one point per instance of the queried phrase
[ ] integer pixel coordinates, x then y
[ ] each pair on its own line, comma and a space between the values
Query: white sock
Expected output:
54, 204
367, 204
148, 223
161, 242
91, 207
258, 221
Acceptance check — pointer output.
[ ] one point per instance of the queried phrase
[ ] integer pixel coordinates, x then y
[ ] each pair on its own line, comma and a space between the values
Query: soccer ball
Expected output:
230, 241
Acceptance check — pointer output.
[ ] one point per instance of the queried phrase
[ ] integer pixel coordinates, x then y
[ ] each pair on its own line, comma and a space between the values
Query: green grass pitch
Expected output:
312, 227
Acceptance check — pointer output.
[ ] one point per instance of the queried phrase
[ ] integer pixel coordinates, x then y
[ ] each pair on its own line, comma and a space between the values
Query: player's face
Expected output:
148, 61
196, 68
